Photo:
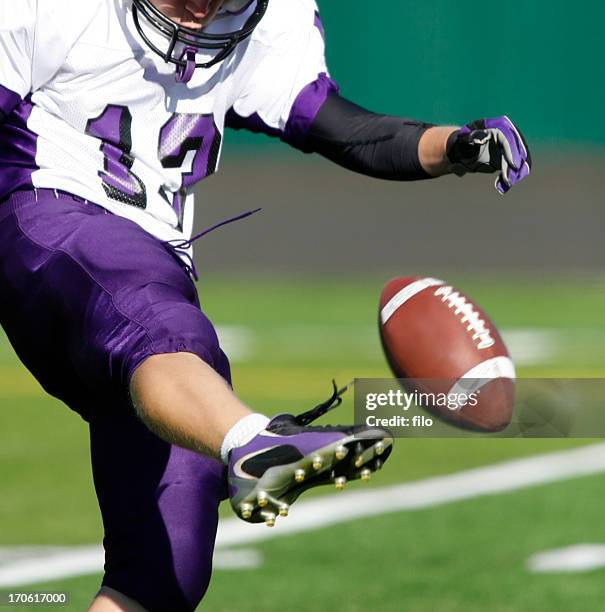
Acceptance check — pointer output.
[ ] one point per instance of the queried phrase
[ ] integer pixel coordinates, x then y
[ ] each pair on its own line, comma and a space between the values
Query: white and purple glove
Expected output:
491, 145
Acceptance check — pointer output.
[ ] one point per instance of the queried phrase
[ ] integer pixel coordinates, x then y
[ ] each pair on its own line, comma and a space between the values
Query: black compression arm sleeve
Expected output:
375, 145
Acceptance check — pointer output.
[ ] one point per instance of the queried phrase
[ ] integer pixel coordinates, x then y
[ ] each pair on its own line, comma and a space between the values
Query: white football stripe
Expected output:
480, 375
408, 292
497, 367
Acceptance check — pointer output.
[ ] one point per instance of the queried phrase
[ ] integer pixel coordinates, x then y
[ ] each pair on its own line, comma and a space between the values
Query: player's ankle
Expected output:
242, 432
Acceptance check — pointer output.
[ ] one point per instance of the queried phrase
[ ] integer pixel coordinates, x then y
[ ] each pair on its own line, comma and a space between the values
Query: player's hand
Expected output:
491, 145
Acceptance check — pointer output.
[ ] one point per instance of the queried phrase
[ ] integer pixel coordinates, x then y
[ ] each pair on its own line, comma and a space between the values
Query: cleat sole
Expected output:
341, 453
340, 483
281, 485
246, 511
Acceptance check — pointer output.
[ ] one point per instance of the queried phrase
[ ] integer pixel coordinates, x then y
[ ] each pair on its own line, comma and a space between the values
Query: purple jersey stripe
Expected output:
305, 108
319, 25
303, 112
18, 146
8, 100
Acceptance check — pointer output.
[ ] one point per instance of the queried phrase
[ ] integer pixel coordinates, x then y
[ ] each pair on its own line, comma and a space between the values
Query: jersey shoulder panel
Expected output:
23, 19
59, 25
285, 17
17, 36
282, 76
72, 15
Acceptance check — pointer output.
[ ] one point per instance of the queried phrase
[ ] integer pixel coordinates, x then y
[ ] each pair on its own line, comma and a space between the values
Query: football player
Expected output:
110, 112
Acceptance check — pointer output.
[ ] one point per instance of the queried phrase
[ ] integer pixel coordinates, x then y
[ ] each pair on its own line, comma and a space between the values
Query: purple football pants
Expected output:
86, 296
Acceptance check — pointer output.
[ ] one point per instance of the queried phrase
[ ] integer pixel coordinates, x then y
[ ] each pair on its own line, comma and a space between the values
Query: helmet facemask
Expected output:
184, 43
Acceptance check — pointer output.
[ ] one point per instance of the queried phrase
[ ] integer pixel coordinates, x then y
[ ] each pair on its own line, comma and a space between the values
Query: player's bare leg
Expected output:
184, 401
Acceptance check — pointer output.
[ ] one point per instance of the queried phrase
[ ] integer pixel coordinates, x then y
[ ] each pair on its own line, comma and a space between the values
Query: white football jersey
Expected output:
89, 109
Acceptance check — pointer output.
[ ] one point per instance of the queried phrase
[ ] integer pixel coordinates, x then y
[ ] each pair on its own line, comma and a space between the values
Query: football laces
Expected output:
470, 317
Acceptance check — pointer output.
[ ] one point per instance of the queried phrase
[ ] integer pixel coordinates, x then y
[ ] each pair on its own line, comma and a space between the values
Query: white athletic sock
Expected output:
242, 432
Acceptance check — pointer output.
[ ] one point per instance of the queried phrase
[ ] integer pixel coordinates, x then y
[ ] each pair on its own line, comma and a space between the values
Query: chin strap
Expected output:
185, 72
333, 402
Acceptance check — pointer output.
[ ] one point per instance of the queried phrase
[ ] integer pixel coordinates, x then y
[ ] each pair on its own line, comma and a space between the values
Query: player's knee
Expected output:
194, 334
170, 596
174, 584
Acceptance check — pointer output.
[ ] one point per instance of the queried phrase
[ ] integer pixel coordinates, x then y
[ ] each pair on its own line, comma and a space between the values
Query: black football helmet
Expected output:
184, 55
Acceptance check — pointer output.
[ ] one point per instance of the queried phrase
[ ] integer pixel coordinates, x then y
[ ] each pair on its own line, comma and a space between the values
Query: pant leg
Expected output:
160, 510
86, 297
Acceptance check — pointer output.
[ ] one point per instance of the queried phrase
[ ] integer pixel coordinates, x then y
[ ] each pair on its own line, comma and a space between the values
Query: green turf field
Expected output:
289, 338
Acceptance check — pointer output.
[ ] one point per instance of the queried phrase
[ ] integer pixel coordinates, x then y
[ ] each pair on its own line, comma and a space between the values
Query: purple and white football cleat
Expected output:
491, 145
269, 473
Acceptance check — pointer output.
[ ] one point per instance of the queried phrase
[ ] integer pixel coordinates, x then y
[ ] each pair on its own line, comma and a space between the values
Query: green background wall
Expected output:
540, 62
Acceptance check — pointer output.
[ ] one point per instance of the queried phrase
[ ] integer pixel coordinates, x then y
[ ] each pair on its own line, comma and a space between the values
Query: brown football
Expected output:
441, 342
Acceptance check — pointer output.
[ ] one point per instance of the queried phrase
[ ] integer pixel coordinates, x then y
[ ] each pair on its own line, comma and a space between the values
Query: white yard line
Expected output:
578, 558
337, 508
55, 565
534, 346
47, 564
437, 491
242, 344
238, 342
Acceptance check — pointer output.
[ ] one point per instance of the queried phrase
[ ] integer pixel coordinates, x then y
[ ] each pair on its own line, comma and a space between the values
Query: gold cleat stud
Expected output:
340, 483
270, 520
284, 510
365, 474
341, 452
379, 448
262, 499
358, 462
317, 463
378, 464
246, 511
299, 475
